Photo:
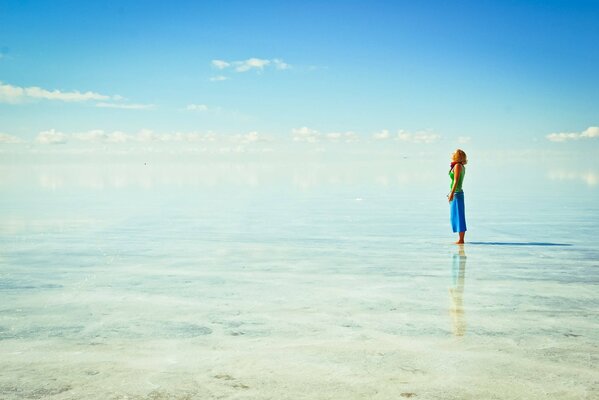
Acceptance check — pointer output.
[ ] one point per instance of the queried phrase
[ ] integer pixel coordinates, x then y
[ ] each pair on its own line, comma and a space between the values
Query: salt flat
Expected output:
301, 290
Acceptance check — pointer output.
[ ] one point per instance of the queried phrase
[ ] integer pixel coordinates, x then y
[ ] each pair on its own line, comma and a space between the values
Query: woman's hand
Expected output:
450, 197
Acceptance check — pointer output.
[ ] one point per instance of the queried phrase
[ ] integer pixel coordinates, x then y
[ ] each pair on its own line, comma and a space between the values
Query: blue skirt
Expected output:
457, 213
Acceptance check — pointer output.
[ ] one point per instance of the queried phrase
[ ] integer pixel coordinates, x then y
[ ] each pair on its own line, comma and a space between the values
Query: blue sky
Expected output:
481, 73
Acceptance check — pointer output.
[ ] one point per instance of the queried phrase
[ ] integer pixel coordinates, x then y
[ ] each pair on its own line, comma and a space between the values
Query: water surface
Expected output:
150, 282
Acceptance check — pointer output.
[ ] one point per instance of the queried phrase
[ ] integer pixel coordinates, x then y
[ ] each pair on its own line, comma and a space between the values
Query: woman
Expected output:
456, 196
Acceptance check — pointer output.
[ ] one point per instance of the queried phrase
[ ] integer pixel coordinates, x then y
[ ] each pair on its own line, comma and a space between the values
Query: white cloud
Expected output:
562, 137
280, 64
218, 78
98, 135
342, 136
257, 64
464, 139
197, 107
194, 137
4, 138
125, 106
418, 137
591, 178
88, 141
16, 94
146, 136
51, 137
220, 64
250, 137
382, 135
117, 137
305, 134
90, 136
590, 132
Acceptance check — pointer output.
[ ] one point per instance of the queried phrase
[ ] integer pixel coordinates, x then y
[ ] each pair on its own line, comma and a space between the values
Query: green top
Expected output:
458, 187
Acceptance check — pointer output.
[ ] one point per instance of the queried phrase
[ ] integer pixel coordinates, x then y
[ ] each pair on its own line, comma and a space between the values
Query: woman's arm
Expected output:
457, 171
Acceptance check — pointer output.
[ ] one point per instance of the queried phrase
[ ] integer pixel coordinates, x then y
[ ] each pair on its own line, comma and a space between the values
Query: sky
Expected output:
481, 75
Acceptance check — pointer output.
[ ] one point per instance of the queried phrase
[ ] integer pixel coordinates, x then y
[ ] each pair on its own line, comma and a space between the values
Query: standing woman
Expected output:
456, 196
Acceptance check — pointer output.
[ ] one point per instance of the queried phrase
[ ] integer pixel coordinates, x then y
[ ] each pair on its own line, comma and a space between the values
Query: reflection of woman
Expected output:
456, 292
456, 196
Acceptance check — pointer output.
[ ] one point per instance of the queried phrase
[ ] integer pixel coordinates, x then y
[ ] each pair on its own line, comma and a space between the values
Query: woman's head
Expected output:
459, 156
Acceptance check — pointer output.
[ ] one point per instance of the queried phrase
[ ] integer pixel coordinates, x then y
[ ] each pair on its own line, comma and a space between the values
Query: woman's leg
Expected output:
461, 241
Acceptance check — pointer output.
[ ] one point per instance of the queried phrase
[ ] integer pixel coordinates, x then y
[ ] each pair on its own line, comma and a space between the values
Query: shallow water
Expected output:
299, 286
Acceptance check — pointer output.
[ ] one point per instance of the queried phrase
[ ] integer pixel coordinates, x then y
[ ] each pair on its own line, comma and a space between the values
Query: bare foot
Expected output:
459, 242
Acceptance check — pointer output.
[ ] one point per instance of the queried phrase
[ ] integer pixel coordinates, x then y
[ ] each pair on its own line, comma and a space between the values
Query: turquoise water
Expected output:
254, 281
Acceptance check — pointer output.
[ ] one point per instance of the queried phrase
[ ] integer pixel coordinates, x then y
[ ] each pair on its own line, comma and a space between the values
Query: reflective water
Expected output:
253, 282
